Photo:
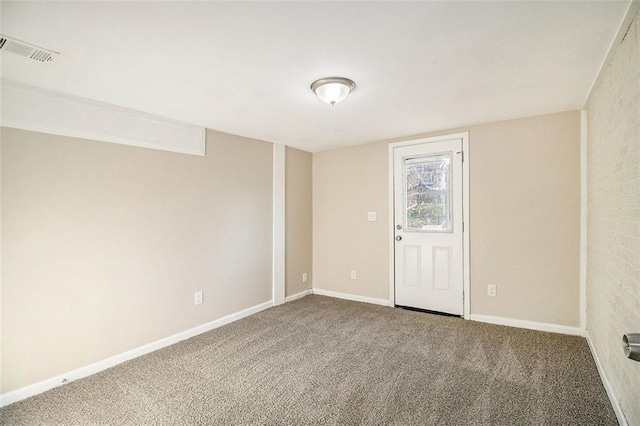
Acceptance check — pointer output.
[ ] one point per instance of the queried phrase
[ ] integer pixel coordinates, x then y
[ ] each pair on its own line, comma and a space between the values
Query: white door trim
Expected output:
465, 214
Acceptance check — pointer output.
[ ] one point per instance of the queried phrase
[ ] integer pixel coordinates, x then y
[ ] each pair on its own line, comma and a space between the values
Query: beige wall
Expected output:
105, 245
525, 218
613, 221
348, 183
298, 216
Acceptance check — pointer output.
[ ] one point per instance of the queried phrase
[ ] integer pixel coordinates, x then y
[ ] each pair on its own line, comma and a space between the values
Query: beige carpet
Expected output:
327, 361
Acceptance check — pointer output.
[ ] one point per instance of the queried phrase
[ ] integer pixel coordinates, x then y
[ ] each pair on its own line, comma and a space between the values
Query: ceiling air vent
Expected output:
8, 44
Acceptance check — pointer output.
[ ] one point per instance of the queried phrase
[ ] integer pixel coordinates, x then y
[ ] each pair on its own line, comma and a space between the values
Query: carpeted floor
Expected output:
320, 360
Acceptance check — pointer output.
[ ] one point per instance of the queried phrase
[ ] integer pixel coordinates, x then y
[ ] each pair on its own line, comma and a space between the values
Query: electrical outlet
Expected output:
304, 277
198, 297
353, 275
371, 216
491, 290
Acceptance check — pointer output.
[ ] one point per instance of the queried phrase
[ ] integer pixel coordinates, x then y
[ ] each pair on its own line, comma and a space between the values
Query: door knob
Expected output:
398, 238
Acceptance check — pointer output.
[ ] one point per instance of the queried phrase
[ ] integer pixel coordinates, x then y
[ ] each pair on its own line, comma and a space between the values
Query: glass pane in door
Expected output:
428, 193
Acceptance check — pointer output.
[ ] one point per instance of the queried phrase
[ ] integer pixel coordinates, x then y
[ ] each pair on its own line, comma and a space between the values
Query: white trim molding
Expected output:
583, 219
531, 325
615, 403
466, 242
466, 217
32, 108
279, 224
53, 382
352, 297
298, 295
392, 224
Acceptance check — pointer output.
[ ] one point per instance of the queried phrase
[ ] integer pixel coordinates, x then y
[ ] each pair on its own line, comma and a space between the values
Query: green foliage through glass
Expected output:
427, 192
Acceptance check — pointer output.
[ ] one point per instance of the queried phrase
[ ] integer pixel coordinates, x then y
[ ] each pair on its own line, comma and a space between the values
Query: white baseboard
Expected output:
354, 297
531, 325
298, 295
622, 421
45, 385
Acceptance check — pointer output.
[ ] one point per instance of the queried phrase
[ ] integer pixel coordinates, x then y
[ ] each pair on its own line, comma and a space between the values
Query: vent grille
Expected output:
40, 54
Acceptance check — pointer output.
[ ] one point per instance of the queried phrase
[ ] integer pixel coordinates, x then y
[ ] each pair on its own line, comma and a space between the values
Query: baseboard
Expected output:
53, 382
298, 295
354, 297
531, 325
607, 385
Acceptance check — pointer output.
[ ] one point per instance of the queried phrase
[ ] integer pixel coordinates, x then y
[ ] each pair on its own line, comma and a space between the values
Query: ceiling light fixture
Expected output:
333, 90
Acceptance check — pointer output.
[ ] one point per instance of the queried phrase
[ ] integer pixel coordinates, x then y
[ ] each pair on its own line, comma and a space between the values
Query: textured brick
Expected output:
613, 222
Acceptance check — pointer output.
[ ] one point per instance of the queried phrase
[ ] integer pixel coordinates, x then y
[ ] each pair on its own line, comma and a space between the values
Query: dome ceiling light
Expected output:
333, 90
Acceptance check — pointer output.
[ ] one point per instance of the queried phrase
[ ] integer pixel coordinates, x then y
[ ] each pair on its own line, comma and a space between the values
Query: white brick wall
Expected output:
613, 222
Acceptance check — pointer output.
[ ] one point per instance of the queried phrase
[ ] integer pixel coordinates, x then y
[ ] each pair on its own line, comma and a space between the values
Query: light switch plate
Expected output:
371, 216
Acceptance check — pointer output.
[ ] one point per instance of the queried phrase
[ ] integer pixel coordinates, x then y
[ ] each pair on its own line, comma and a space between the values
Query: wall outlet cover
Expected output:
491, 290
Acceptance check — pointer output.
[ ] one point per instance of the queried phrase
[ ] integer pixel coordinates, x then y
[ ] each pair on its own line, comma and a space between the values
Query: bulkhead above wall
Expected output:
32, 108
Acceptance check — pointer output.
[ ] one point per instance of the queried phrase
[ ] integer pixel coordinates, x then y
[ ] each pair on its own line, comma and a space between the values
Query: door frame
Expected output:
466, 285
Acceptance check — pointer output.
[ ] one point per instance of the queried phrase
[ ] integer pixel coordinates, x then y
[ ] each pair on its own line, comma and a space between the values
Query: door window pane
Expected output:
427, 193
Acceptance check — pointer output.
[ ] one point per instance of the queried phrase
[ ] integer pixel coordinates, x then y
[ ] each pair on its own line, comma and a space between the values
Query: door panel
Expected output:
428, 231
442, 268
412, 262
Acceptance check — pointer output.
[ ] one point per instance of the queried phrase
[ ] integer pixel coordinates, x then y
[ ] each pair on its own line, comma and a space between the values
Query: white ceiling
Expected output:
245, 68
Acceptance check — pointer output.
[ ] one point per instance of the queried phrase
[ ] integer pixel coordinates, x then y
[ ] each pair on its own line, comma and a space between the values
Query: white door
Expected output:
428, 226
